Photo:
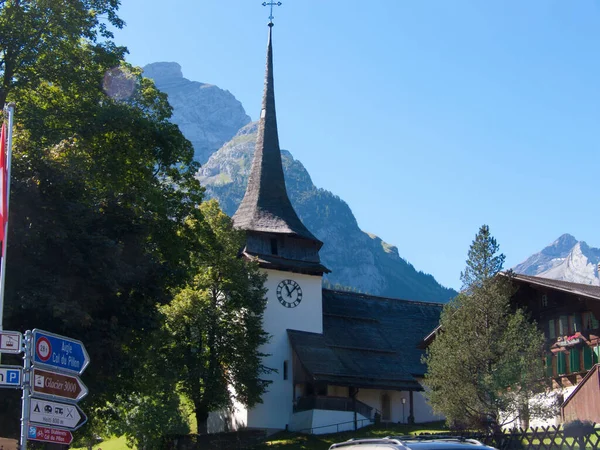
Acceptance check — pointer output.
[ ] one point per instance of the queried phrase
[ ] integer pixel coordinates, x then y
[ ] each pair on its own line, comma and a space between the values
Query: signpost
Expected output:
59, 352
10, 342
55, 414
11, 376
57, 386
45, 434
58, 360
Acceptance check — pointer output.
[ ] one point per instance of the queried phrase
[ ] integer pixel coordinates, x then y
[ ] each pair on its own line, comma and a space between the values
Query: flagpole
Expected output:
11, 112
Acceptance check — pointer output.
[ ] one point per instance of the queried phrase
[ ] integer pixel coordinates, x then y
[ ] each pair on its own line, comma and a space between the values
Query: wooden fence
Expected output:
542, 438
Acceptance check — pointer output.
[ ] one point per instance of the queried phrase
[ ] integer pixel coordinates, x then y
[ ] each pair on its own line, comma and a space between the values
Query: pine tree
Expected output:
485, 368
483, 261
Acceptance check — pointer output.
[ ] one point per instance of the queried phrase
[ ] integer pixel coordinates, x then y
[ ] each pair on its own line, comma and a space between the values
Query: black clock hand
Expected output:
288, 290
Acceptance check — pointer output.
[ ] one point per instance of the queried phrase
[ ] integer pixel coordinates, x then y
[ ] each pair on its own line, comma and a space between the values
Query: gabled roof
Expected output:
578, 289
266, 206
367, 341
583, 290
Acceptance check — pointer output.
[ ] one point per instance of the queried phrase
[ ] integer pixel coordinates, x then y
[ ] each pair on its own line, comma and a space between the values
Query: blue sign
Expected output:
11, 376
60, 352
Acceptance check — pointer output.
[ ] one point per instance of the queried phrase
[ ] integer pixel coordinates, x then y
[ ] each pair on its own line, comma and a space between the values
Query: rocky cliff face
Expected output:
565, 259
207, 115
357, 259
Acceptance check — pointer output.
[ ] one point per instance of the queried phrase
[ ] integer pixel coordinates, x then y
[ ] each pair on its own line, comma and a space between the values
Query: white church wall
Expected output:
325, 422
228, 420
301, 421
276, 410
423, 412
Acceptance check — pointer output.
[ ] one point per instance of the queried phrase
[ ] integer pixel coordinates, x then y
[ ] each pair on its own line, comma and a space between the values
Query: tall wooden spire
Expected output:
266, 206
266, 211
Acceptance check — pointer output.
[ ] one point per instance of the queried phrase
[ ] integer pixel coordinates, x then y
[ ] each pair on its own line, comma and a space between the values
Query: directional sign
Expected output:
59, 351
11, 376
10, 341
46, 434
57, 385
55, 414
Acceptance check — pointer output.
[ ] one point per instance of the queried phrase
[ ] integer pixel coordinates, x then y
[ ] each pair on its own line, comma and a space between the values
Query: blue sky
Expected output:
428, 117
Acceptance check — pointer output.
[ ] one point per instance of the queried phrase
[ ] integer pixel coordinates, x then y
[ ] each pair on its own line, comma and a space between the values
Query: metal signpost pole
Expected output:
26, 398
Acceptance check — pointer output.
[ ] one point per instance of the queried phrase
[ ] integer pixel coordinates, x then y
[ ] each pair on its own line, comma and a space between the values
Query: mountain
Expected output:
357, 259
565, 259
223, 138
207, 115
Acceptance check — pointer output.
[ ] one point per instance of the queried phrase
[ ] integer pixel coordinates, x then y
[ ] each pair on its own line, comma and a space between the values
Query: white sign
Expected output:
10, 341
56, 414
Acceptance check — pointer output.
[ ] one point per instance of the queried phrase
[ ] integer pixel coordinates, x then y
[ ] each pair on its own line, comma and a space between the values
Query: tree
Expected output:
37, 38
215, 322
101, 186
485, 368
483, 261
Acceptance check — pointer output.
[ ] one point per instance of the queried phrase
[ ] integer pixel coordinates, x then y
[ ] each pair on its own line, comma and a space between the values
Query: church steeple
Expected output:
266, 211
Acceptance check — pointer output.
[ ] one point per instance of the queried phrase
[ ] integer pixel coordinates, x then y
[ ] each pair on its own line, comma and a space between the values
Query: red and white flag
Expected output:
3, 187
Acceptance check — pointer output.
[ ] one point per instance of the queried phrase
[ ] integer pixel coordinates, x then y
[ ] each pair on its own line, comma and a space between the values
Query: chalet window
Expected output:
588, 358
589, 321
544, 300
561, 363
575, 324
574, 361
551, 329
285, 370
563, 325
274, 247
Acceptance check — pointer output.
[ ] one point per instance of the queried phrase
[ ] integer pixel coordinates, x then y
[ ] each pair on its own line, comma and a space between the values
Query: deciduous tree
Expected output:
215, 322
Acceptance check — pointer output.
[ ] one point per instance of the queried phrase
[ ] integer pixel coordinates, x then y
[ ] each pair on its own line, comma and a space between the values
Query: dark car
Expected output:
414, 443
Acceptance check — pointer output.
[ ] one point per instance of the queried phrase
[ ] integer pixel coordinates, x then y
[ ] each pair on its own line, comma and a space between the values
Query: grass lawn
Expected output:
294, 441
111, 444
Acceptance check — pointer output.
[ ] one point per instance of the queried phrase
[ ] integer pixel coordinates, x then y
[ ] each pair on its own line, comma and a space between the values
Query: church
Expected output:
343, 359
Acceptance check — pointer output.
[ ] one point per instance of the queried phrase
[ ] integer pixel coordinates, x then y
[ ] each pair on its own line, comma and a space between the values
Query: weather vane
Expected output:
271, 4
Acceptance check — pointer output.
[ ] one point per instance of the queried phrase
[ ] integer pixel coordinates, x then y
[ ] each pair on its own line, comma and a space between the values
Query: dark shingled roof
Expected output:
584, 290
266, 206
367, 341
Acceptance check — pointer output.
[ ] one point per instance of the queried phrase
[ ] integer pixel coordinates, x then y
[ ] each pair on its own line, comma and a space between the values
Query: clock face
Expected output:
289, 293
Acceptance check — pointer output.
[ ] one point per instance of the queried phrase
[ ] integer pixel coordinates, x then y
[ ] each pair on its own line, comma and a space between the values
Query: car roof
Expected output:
417, 443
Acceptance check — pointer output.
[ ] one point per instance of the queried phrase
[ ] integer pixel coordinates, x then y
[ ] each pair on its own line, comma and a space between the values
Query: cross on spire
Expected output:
271, 4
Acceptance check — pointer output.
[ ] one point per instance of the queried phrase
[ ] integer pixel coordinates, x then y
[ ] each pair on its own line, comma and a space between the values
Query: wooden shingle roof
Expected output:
266, 206
583, 290
367, 341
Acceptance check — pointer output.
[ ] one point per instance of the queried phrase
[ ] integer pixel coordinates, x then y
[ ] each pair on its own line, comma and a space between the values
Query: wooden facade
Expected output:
568, 315
584, 403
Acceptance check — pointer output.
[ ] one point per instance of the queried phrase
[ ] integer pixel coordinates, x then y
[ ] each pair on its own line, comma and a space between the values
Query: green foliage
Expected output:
485, 368
483, 261
37, 38
214, 323
148, 420
101, 185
